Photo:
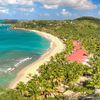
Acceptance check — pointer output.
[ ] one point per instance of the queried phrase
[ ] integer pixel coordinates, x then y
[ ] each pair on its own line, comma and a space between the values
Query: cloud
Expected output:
64, 12
99, 12
4, 10
53, 4
6, 2
50, 6
22, 5
76, 4
44, 15
26, 9
24, 2
13, 2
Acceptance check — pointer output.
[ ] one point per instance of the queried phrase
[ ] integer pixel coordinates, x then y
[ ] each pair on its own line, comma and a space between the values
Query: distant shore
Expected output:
56, 46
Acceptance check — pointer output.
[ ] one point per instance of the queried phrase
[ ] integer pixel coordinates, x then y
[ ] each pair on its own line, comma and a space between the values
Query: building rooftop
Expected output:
79, 55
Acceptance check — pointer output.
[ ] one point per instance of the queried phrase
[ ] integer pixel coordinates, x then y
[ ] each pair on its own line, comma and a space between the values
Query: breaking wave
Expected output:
22, 61
19, 62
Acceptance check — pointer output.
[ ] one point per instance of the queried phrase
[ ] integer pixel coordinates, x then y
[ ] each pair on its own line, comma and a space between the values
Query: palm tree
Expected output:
33, 89
21, 87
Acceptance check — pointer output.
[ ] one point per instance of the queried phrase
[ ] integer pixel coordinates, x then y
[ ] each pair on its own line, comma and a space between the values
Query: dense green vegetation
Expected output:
59, 75
10, 21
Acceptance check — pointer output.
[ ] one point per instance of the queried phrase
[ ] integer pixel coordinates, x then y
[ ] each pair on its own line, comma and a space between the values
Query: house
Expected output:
78, 55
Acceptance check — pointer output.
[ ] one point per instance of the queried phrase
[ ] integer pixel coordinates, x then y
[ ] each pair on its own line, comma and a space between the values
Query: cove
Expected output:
18, 48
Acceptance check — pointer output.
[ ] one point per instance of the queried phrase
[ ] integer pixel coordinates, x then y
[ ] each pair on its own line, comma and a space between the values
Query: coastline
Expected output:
56, 46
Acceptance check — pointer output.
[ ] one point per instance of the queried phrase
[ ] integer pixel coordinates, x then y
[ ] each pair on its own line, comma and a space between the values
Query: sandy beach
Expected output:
56, 46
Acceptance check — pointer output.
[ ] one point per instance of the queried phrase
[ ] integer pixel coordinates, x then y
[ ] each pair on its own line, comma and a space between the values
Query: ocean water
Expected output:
18, 48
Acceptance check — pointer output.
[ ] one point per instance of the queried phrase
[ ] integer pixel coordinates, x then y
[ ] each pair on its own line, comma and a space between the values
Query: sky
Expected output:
48, 9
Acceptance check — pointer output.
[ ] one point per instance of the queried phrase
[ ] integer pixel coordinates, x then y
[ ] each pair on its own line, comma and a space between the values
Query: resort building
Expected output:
78, 55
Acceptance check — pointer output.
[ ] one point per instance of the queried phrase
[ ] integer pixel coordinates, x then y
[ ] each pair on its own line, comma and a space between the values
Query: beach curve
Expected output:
56, 46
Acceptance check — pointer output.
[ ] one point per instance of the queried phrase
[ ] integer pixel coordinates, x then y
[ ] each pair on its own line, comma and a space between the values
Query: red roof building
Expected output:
79, 55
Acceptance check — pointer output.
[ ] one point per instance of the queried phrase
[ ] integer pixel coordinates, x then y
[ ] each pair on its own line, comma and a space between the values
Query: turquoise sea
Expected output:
18, 48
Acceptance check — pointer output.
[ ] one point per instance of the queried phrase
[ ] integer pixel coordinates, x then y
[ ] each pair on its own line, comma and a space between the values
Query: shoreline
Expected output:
56, 46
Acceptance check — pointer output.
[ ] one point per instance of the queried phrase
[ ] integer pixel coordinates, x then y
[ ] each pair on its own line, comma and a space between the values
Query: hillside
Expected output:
88, 18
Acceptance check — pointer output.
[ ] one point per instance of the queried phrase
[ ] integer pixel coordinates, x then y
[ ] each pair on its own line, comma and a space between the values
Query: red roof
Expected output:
79, 55
77, 45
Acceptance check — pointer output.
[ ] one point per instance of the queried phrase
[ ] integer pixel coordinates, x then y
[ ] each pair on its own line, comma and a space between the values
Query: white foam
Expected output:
9, 69
22, 61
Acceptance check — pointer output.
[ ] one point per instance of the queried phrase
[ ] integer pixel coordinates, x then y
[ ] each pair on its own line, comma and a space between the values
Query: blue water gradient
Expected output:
18, 48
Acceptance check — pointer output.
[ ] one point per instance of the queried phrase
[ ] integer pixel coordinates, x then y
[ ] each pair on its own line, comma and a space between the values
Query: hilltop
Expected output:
88, 18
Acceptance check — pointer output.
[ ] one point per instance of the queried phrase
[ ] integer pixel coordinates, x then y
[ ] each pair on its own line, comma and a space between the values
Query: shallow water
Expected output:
18, 48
